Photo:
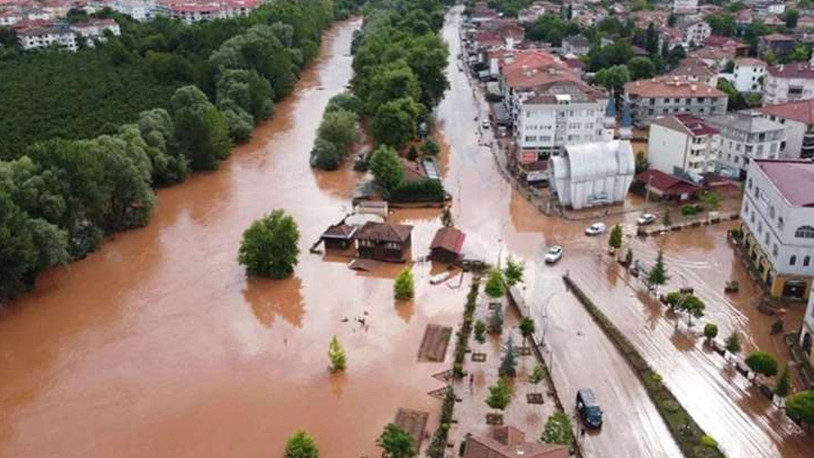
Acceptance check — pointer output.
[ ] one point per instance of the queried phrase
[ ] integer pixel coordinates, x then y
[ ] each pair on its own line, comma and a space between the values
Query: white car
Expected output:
595, 229
485, 124
645, 219
553, 254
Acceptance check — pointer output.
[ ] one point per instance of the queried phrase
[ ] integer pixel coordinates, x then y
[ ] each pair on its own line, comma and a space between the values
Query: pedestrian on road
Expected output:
582, 433
471, 383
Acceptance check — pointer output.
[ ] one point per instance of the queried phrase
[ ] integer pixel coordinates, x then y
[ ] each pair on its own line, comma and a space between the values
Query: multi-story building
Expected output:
556, 114
190, 11
798, 117
140, 10
788, 83
682, 145
665, 96
777, 217
745, 135
95, 29
695, 34
749, 75
47, 35
576, 45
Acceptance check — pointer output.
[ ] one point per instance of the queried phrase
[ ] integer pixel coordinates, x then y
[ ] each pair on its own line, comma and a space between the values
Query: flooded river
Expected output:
159, 346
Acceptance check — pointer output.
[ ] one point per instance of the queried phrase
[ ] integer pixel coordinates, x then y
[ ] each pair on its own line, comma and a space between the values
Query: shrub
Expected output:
403, 288
500, 395
337, 356
325, 155
688, 210
558, 429
733, 342
480, 331
269, 246
494, 285
430, 147
418, 191
301, 445
710, 331
513, 272
537, 374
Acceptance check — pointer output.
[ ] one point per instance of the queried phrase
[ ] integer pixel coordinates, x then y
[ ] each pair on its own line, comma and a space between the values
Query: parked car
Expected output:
595, 229
485, 124
645, 219
588, 408
553, 254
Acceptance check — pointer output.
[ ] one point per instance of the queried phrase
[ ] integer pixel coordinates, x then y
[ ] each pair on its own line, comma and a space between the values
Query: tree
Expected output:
496, 321
710, 331
500, 394
526, 327
613, 78
722, 24
711, 200
651, 40
658, 275
537, 374
495, 286
247, 90
733, 342
269, 247
480, 331
615, 239
386, 167
693, 306
790, 17
325, 155
629, 258
665, 220
783, 386
641, 68
337, 356
513, 272
339, 127
762, 362
508, 365
345, 101
394, 123
430, 147
558, 429
301, 445
801, 405
396, 442
201, 131
737, 101
403, 288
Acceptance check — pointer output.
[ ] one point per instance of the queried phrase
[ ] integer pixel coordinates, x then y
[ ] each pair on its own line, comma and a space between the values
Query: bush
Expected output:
430, 147
500, 395
708, 441
480, 331
558, 429
495, 286
325, 155
337, 356
710, 331
537, 374
688, 210
301, 445
403, 288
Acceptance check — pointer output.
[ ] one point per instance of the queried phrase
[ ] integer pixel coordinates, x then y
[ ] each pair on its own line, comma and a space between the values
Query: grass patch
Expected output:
691, 439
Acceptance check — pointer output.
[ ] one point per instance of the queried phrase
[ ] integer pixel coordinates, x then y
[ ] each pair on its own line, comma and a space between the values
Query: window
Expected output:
780, 223
804, 232
774, 250
766, 238
749, 183
793, 260
806, 261
771, 212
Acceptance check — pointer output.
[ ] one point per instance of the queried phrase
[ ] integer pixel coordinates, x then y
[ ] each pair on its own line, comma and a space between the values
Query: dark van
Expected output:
588, 408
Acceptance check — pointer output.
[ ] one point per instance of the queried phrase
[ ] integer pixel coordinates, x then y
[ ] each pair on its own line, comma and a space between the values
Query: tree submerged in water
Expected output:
508, 366
269, 246
337, 356
396, 442
403, 288
301, 445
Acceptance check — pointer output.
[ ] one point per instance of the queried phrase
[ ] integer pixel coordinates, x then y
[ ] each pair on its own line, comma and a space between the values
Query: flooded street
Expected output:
159, 346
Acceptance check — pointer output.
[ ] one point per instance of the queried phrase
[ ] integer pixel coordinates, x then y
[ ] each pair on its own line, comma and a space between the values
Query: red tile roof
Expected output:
667, 87
448, 238
669, 185
751, 61
534, 68
793, 178
802, 111
510, 442
792, 70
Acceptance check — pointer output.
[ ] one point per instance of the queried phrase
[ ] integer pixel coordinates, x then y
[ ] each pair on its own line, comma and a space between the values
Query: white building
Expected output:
43, 37
95, 30
746, 135
575, 45
140, 10
593, 174
777, 217
788, 83
190, 11
696, 33
682, 145
798, 117
558, 114
11, 17
749, 75
685, 6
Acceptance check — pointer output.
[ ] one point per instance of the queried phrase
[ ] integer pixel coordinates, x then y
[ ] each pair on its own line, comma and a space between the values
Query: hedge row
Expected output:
691, 439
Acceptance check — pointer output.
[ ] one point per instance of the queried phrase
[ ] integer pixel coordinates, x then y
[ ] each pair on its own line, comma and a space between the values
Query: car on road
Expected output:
553, 254
485, 124
595, 229
645, 219
588, 408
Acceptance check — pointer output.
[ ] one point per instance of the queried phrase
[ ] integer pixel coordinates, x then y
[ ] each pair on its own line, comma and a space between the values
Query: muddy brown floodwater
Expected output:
158, 345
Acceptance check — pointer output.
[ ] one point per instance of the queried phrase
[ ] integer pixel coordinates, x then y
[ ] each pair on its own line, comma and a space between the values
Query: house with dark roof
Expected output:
798, 117
510, 442
662, 186
776, 43
446, 245
338, 236
384, 241
777, 220
682, 144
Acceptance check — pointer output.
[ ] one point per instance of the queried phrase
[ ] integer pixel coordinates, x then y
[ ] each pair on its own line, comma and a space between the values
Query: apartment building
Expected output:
37, 37
789, 83
685, 6
749, 75
745, 135
695, 34
682, 145
649, 99
556, 114
95, 29
798, 117
777, 217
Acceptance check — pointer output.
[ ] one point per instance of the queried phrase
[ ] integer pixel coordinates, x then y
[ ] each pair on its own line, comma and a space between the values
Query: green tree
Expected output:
762, 362
693, 306
394, 123
386, 167
269, 246
711, 200
496, 321
737, 101
396, 442
722, 24
801, 405
345, 101
495, 286
558, 429
733, 343
710, 331
615, 239
508, 365
790, 17
339, 127
301, 445
201, 131
513, 272
403, 288
658, 274
247, 90
480, 331
629, 257
325, 155
783, 386
613, 78
537, 374
394, 80
500, 395
337, 356
430, 147
641, 68
526, 327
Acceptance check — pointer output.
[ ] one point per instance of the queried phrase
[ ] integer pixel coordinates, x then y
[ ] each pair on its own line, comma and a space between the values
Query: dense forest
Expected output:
86, 136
